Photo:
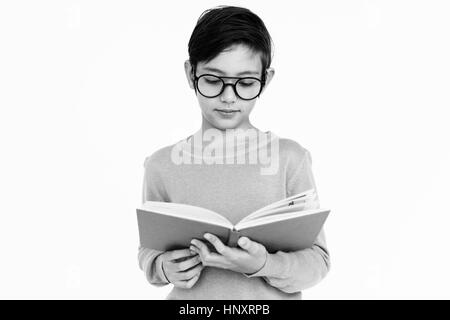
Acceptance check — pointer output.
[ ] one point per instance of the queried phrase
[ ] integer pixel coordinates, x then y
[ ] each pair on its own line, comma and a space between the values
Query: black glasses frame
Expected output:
233, 85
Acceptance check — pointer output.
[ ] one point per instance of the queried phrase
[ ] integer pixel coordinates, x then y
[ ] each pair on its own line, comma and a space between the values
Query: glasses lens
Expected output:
248, 88
209, 86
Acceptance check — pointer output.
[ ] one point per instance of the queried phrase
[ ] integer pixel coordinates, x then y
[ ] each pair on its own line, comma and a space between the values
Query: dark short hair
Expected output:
221, 27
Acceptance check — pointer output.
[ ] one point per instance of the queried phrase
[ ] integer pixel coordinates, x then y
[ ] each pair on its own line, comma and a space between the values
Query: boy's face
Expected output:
237, 61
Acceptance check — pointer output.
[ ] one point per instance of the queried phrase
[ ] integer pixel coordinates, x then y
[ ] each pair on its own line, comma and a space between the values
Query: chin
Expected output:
224, 124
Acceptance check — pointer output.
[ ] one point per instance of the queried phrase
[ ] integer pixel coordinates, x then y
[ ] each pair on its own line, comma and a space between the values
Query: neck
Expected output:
244, 126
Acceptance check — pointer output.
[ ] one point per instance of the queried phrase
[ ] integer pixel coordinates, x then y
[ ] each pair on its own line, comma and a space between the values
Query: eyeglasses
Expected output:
211, 86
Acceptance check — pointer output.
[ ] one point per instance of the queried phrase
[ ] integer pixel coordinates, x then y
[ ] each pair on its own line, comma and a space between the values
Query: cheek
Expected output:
207, 105
247, 106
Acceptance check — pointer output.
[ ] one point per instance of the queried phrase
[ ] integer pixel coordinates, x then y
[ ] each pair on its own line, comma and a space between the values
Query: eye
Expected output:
247, 82
212, 81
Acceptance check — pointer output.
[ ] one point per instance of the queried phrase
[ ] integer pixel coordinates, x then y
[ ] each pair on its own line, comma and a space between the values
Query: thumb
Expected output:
248, 245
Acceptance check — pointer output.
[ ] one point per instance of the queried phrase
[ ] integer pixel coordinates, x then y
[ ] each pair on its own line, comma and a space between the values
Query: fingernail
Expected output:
207, 236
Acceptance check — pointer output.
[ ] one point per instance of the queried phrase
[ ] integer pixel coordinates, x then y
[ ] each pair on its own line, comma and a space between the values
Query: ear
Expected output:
270, 72
188, 71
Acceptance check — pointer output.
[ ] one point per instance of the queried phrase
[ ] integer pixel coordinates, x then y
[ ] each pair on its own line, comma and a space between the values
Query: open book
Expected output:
288, 225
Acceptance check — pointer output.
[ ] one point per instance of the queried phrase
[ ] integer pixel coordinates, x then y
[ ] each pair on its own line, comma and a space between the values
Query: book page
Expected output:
281, 210
293, 203
186, 211
297, 197
277, 217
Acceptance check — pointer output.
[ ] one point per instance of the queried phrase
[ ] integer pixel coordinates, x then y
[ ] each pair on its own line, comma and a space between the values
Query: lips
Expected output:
227, 110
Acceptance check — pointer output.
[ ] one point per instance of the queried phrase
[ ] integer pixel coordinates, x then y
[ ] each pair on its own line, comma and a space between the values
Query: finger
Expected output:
177, 254
193, 249
187, 275
201, 247
187, 264
218, 245
189, 284
208, 258
248, 245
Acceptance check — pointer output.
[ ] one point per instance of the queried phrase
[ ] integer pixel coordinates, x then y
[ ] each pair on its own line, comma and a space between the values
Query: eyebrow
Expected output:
256, 73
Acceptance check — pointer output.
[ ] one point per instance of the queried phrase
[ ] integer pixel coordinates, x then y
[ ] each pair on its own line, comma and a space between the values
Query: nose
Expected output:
228, 95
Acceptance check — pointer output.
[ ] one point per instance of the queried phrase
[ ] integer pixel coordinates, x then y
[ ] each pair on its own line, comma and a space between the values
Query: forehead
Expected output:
236, 60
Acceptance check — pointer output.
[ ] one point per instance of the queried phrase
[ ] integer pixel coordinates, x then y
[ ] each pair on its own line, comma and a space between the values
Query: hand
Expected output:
181, 267
250, 259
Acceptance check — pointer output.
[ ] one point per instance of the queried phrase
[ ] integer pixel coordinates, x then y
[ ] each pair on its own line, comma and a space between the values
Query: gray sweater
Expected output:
235, 190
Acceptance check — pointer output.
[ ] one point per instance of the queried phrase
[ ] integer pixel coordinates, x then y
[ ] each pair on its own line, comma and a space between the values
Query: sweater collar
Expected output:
200, 144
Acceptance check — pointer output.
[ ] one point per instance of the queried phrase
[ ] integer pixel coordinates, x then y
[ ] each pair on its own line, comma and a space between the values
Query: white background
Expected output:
89, 89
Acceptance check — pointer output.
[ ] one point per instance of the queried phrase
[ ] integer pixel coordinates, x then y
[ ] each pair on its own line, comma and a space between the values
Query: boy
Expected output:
228, 68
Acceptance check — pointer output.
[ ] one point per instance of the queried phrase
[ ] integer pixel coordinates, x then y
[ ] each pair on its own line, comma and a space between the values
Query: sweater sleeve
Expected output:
298, 270
152, 190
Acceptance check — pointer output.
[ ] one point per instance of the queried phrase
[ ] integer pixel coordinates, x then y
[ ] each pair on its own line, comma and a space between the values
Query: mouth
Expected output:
227, 110
227, 113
